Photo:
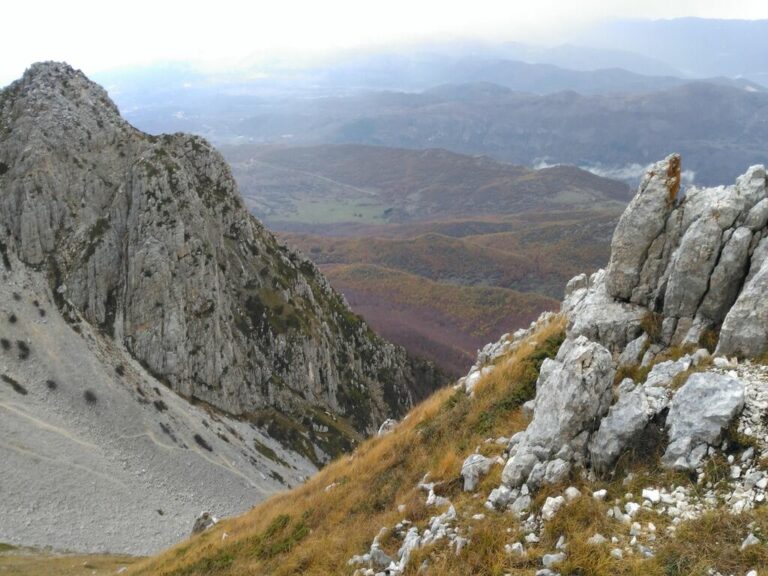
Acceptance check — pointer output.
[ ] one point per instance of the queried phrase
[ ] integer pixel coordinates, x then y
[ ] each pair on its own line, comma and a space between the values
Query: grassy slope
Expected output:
314, 530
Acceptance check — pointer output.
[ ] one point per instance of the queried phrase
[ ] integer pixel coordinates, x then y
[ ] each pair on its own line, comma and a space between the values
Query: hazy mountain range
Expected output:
611, 100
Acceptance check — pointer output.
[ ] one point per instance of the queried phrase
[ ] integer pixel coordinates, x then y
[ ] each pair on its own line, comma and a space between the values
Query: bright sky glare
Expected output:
102, 35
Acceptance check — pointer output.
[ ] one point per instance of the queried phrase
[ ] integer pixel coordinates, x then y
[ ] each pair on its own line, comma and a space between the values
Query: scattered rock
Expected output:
549, 560
473, 468
571, 493
386, 427
204, 521
750, 540
551, 506
597, 540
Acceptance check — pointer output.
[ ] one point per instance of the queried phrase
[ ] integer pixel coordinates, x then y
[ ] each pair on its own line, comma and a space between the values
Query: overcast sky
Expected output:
97, 36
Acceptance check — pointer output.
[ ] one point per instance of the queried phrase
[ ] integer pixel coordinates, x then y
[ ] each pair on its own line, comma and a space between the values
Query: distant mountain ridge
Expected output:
718, 128
290, 186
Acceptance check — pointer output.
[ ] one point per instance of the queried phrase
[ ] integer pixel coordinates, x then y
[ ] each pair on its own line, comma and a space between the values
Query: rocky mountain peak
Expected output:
60, 98
147, 238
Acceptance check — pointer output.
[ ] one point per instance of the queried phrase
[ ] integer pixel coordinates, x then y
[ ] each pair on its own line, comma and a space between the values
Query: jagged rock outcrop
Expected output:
695, 262
572, 393
682, 271
147, 238
625, 421
635, 240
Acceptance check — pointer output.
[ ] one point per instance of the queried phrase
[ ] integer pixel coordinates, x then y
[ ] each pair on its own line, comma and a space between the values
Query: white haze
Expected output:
98, 35
630, 173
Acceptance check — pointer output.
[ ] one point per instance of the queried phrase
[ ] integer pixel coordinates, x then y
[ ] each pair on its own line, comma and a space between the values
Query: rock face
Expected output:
695, 262
625, 421
699, 412
147, 238
683, 272
573, 392
593, 313
745, 329
639, 229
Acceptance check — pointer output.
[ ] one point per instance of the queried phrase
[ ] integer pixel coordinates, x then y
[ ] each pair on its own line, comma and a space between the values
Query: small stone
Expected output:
572, 493
750, 540
596, 540
631, 508
516, 548
645, 551
635, 529
721, 362
600, 494
531, 538
551, 506
460, 543
521, 505
550, 560
652, 494
475, 466
617, 553
204, 521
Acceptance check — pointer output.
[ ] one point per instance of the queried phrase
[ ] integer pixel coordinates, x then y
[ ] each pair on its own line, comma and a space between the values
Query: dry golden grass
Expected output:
313, 530
326, 527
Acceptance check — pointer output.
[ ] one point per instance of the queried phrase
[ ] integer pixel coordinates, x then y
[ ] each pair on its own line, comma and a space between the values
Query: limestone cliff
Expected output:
147, 238
683, 269
686, 279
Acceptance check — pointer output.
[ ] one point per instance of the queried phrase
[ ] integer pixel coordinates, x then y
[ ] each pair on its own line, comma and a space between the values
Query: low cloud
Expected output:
630, 173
